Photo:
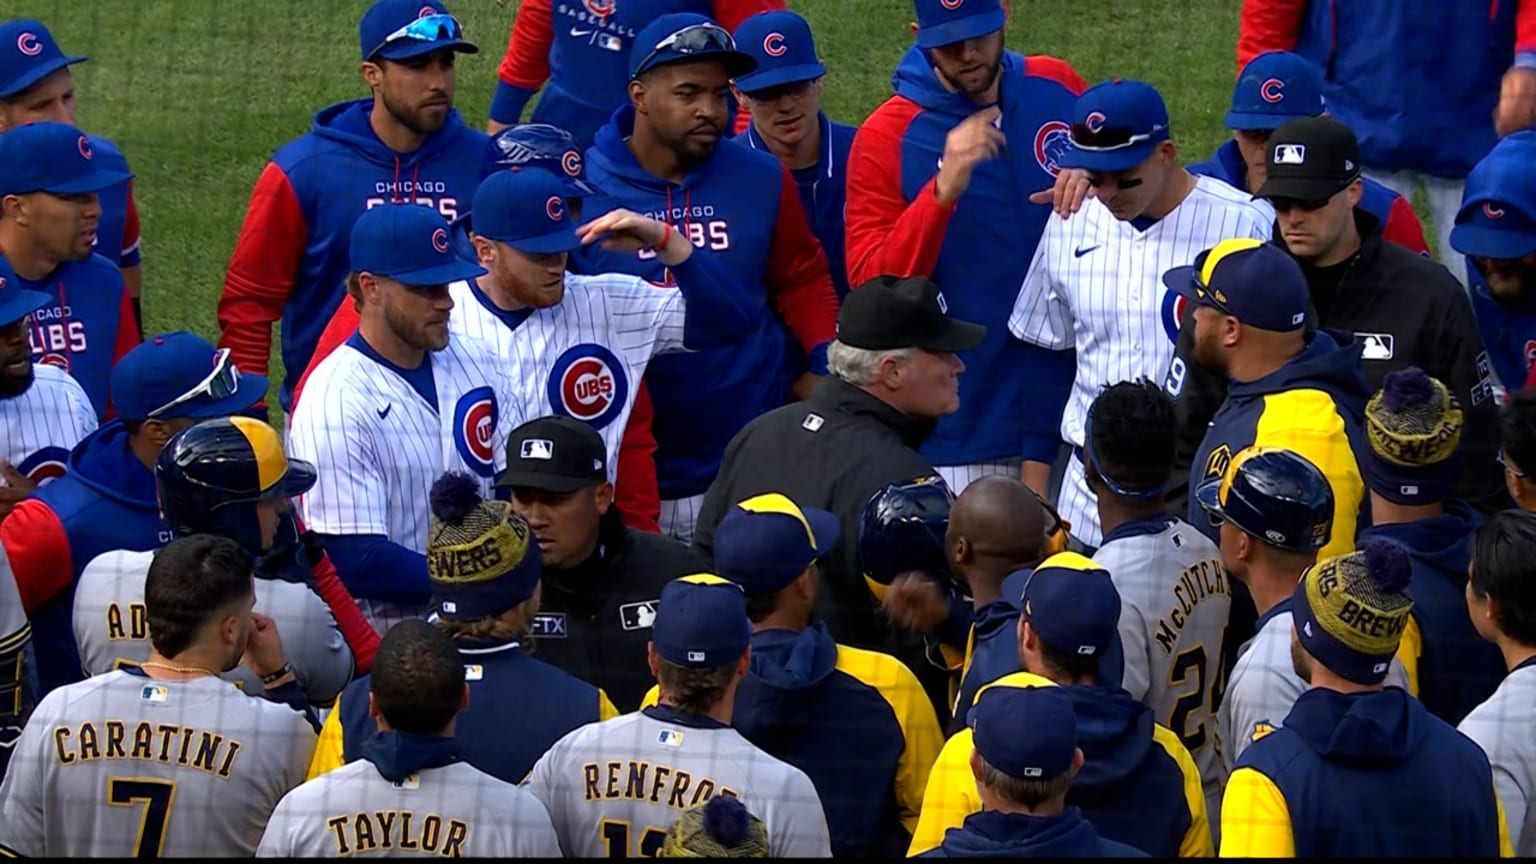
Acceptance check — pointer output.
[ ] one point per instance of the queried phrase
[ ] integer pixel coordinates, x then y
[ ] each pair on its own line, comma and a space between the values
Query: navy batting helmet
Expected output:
1275, 495
902, 529
210, 476
539, 145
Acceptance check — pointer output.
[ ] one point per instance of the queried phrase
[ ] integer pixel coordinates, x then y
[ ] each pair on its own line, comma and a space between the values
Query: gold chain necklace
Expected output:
185, 670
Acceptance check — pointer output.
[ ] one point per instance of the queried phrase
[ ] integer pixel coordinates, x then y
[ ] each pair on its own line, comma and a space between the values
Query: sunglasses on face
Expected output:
693, 39
433, 28
774, 94
221, 383
1311, 205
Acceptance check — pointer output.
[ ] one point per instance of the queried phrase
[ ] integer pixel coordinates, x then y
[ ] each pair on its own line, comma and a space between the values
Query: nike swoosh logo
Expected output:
1081, 252
384, 412
578, 33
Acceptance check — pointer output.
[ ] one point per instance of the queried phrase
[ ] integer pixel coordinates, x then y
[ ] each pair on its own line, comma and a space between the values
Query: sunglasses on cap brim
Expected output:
1107, 138
777, 92
222, 383
432, 28
693, 39
1203, 293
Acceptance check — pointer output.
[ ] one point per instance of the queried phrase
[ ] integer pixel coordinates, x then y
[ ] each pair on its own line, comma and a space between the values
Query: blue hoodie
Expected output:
993, 834
291, 259
1457, 669
799, 707
1373, 775
1509, 331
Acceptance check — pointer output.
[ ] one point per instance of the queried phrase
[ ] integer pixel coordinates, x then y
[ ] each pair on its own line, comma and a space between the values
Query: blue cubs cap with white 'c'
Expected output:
1072, 604
52, 157
781, 43
765, 542
701, 622
680, 37
407, 243
542, 146
525, 210
181, 374
1255, 282
945, 22
28, 54
402, 29
1498, 207
1274, 87
1028, 733
1116, 125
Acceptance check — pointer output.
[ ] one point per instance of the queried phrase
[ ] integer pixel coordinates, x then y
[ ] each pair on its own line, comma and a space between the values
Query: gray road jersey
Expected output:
15, 686
1505, 727
120, 765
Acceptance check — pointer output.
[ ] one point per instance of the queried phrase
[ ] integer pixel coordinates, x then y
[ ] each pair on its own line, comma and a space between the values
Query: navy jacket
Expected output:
991, 834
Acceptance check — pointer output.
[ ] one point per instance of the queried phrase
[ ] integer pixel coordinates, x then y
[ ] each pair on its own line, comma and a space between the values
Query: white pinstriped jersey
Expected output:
121, 765
1174, 600
614, 788
378, 446
1502, 727
40, 427
111, 631
582, 357
454, 811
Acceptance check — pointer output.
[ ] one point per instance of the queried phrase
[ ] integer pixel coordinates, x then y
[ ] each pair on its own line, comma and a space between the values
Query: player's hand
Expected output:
264, 650
801, 390
973, 142
17, 486
627, 231
915, 602
1068, 194
1517, 101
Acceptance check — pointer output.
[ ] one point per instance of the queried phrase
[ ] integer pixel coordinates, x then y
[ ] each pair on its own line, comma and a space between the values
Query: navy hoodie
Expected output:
1457, 670
993, 834
799, 707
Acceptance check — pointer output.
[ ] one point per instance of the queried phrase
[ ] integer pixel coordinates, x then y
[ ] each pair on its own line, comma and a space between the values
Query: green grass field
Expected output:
198, 93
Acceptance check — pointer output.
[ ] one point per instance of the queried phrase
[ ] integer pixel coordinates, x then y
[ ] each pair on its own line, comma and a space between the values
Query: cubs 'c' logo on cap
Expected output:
1052, 141
474, 427
85, 147
570, 163
951, 4
44, 465
427, 11
1272, 91
554, 208
1491, 211
600, 8
27, 44
1095, 121
588, 383
773, 45
440, 240
1174, 305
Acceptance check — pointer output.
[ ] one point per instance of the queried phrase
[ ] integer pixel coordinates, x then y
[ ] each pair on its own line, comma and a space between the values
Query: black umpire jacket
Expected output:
594, 619
1409, 311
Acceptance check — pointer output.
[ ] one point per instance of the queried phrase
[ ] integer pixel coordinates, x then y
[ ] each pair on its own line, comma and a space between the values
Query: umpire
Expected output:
894, 372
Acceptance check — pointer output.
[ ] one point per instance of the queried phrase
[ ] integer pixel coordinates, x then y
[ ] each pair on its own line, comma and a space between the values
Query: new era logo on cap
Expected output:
538, 448
1291, 154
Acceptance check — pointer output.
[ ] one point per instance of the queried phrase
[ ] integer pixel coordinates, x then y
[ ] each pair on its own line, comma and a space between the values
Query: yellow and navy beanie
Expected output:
1351, 610
479, 557
719, 828
1414, 427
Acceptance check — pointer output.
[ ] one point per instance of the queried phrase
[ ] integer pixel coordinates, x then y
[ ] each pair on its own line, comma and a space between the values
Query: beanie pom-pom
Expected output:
1389, 565
1406, 389
726, 819
454, 495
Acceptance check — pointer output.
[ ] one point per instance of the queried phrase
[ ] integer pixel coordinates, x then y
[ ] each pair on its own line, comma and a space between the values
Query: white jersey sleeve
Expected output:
640, 318
1502, 727
331, 430
1042, 315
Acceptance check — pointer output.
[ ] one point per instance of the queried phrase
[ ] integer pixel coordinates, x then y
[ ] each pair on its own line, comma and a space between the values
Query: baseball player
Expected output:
1096, 279
404, 144
44, 412
36, 84
166, 759
410, 791
937, 177
16, 696
50, 215
1174, 596
395, 407
615, 788
1501, 597
228, 477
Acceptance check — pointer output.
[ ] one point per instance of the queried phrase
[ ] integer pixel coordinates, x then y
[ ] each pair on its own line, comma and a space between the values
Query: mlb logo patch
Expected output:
697, 657
609, 42
637, 616
1377, 346
670, 738
474, 672
813, 423
153, 693
943, 304
1034, 772
411, 782
538, 448
1290, 154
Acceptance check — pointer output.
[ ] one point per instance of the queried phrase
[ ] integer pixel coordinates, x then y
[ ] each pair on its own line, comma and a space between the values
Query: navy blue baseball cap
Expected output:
28, 54
539, 145
1274, 87
402, 29
52, 157
1028, 733
1072, 604
1498, 207
1255, 282
181, 374
680, 37
17, 302
525, 210
945, 22
701, 622
766, 542
408, 243
782, 45
1116, 125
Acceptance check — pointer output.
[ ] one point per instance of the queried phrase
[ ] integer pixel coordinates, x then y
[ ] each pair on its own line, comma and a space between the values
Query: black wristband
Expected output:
267, 680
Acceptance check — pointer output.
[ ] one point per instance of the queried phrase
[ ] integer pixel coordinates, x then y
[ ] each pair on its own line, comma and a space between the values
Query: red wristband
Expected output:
666, 237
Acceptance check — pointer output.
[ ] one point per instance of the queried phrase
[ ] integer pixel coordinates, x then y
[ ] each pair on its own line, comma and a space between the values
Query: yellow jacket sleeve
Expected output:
914, 714
1308, 423
1197, 841
1409, 650
950, 796
605, 706
328, 754
652, 697
1255, 821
